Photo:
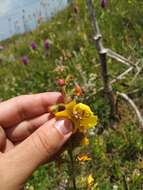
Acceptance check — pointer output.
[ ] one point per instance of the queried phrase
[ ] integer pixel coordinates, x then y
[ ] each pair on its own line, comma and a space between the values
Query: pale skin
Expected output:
29, 136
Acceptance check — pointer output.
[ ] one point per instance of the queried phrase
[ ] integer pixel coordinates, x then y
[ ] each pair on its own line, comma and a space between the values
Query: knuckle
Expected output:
45, 145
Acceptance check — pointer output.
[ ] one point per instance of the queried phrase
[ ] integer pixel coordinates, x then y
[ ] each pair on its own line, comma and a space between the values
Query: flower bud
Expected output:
33, 45
46, 44
25, 60
78, 90
104, 3
61, 82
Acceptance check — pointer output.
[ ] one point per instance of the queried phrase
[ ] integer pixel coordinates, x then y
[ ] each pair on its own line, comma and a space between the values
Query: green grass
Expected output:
116, 154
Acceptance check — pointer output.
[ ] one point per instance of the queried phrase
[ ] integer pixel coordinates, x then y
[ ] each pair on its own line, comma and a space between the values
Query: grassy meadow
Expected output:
116, 154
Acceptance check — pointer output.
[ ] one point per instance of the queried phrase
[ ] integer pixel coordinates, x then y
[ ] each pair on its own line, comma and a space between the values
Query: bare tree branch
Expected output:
136, 75
103, 53
119, 58
102, 56
133, 105
122, 75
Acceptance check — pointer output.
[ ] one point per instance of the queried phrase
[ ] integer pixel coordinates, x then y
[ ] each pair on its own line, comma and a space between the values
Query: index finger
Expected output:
23, 107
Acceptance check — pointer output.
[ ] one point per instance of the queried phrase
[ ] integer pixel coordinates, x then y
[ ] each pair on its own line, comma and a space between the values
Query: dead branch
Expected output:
102, 56
136, 75
119, 77
119, 58
122, 75
133, 105
133, 91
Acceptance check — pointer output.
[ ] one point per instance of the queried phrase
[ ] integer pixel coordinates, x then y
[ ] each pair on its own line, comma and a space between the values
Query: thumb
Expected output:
35, 150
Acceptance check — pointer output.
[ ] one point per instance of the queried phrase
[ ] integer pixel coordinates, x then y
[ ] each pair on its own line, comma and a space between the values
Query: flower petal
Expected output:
89, 122
71, 105
80, 107
63, 114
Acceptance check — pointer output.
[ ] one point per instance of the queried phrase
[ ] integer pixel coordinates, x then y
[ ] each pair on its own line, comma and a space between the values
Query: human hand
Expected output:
29, 136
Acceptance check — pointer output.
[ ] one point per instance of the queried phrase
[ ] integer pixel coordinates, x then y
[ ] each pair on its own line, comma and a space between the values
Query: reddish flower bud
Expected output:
61, 82
78, 90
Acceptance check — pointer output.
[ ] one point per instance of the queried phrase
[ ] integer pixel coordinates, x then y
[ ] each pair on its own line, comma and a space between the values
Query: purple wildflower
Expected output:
104, 3
33, 45
46, 44
25, 60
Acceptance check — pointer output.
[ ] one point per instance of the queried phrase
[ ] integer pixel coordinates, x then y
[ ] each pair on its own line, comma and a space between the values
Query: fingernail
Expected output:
64, 126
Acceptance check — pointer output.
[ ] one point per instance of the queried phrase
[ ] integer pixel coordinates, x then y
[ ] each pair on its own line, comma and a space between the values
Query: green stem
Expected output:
72, 173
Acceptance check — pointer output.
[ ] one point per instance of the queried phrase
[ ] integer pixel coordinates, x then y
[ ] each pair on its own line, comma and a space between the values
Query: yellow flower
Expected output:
80, 114
83, 158
85, 141
90, 180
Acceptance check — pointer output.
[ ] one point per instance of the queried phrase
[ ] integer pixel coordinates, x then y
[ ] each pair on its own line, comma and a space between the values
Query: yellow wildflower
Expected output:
85, 141
83, 158
90, 180
80, 114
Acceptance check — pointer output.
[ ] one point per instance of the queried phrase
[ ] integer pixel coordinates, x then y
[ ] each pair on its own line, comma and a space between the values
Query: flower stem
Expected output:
72, 173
